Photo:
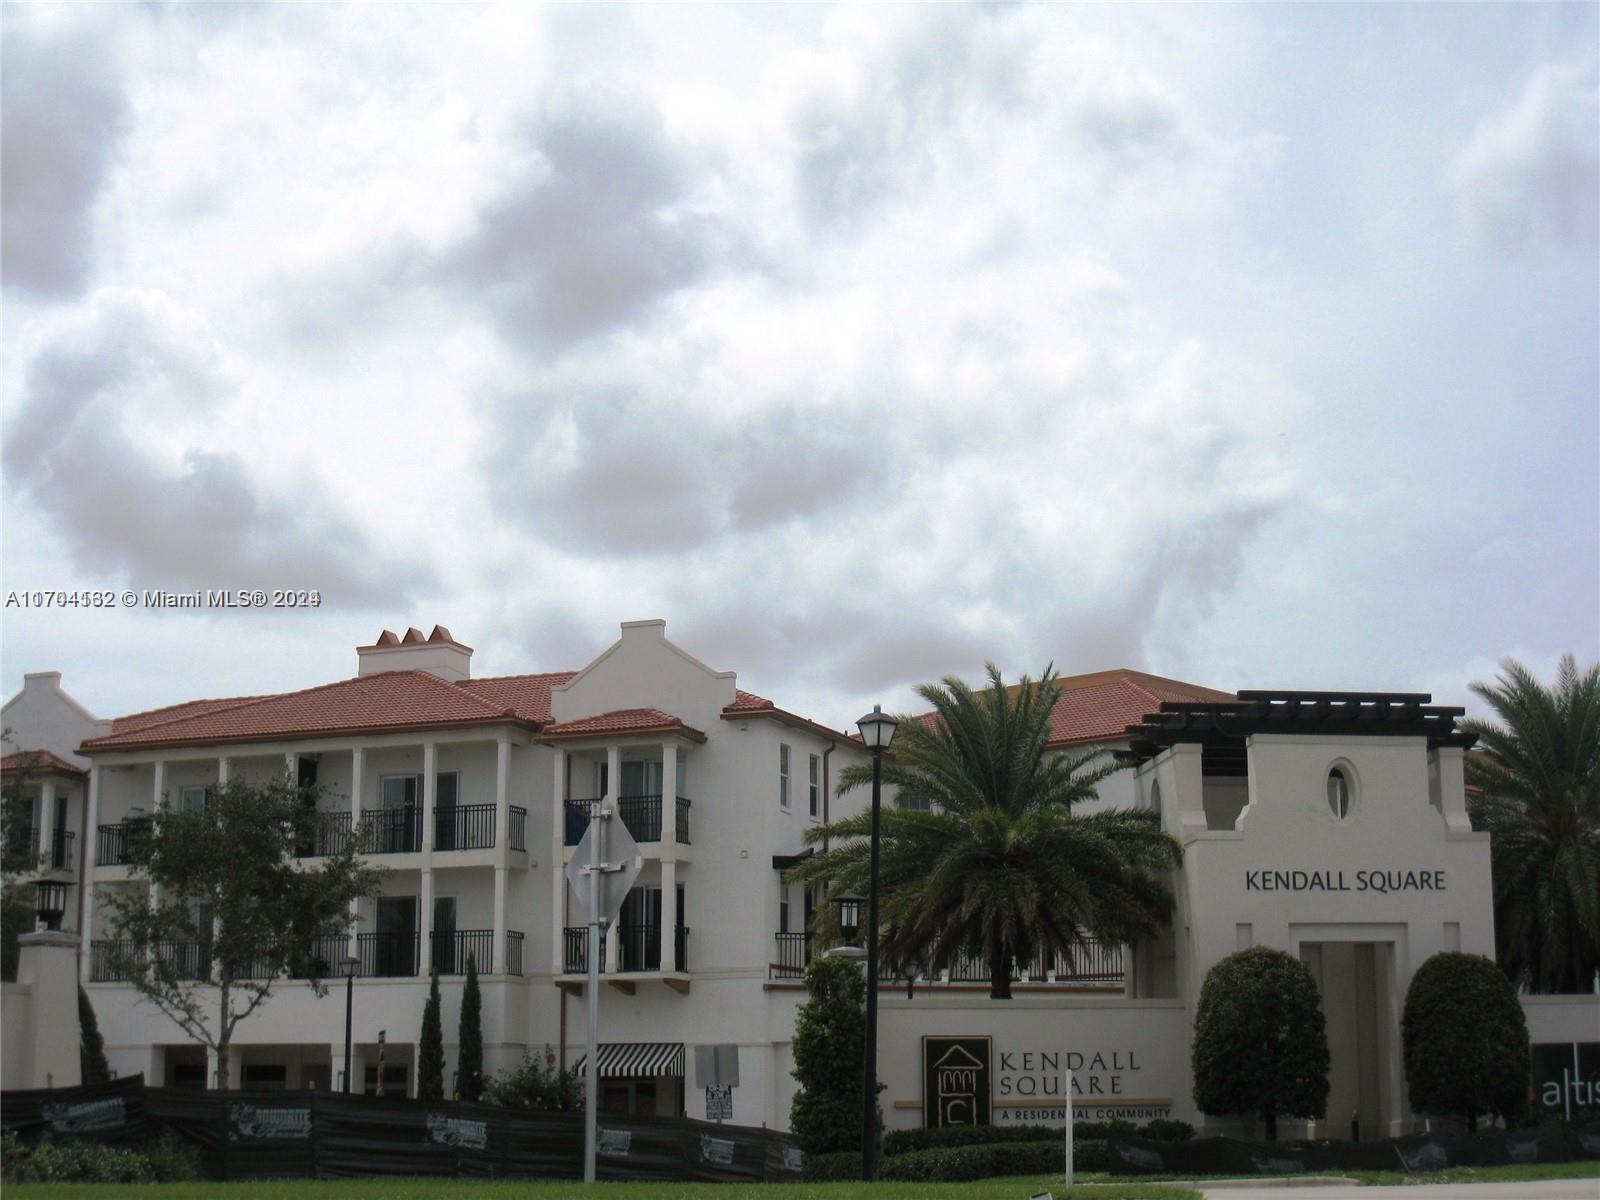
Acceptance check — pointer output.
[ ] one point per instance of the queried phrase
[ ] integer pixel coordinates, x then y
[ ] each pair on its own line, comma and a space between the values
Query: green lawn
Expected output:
1018, 1188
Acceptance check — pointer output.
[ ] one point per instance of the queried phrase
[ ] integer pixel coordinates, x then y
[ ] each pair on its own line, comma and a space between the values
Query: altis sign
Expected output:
1380, 881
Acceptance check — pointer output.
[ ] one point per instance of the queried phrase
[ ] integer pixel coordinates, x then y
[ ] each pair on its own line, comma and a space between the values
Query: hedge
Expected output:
907, 1141
74, 1161
960, 1164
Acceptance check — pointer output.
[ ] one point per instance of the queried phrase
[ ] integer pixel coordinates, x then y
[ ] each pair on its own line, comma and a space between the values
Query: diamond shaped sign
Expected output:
620, 863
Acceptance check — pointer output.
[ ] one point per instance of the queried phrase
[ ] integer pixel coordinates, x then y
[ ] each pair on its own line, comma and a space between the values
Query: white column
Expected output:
613, 790
291, 767
358, 766
499, 950
502, 799
158, 784
44, 836
425, 797
558, 876
224, 768
425, 922
669, 797
91, 846
669, 915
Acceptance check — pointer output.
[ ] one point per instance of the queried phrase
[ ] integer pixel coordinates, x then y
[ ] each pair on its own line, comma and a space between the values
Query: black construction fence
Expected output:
325, 1135
1422, 1152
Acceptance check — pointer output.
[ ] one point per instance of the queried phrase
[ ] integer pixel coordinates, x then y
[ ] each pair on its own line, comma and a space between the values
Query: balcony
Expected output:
518, 820
464, 827
391, 831
330, 836
1095, 964
452, 947
23, 853
387, 955
119, 961
641, 816
112, 841
513, 952
638, 949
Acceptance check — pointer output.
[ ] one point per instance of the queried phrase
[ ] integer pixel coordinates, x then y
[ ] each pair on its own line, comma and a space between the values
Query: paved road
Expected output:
1548, 1189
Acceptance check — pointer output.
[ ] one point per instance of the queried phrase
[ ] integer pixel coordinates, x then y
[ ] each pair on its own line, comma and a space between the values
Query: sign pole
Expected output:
1069, 1130
591, 1066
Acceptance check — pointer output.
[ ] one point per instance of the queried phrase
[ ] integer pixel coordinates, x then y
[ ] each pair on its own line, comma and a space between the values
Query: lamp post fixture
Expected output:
348, 966
51, 903
877, 731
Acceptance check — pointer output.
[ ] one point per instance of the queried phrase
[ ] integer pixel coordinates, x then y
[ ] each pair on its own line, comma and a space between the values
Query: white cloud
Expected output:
1531, 171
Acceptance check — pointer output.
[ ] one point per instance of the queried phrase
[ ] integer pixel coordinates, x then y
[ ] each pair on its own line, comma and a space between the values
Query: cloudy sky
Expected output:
1250, 345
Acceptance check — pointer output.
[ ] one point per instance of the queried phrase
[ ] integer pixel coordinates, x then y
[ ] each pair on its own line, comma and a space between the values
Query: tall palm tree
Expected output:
1538, 780
984, 855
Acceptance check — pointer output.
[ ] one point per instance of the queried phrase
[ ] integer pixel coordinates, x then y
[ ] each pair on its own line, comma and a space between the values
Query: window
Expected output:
783, 909
192, 799
1339, 793
266, 1077
783, 776
816, 785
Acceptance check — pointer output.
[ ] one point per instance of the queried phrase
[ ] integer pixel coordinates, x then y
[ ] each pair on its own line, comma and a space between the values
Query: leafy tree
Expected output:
92, 1062
1538, 780
984, 856
536, 1083
1464, 1039
18, 861
229, 909
830, 1033
469, 1073
1260, 1041
430, 1047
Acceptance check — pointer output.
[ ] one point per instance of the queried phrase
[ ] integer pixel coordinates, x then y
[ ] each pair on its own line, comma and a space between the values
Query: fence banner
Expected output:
262, 1135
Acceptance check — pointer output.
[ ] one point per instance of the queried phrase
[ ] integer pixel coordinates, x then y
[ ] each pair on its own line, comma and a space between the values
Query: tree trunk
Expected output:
999, 974
223, 1037
1472, 1122
1272, 1126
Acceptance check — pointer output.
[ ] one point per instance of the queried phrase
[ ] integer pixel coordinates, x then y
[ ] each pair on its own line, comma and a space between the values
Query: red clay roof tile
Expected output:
621, 720
40, 760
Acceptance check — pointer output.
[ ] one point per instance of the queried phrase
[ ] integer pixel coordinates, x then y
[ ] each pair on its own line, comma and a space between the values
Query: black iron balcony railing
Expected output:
575, 950
22, 850
518, 821
324, 954
792, 957
112, 841
387, 955
681, 947
118, 961
330, 835
464, 827
112, 961
640, 814
513, 952
639, 947
577, 817
451, 948
391, 830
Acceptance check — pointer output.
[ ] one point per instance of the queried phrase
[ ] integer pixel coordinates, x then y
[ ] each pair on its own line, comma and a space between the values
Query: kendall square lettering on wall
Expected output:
1344, 881
1045, 1072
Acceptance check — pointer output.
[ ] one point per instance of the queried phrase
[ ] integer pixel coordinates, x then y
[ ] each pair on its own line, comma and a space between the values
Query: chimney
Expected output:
438, 653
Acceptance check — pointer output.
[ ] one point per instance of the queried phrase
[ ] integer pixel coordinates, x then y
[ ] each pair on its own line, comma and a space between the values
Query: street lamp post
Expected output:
348, 965
877, 731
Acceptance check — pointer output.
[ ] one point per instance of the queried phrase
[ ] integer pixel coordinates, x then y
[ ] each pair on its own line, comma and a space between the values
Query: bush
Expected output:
1260, 1040
960, 1164
829, 1043
831, 1168
469, 1058
1465, 1040
75, 1161
1165, 1129
909, 1141
430, 1046
536, 1083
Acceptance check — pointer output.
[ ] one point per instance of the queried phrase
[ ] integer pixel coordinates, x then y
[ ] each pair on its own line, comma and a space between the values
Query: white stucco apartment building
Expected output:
1331, 825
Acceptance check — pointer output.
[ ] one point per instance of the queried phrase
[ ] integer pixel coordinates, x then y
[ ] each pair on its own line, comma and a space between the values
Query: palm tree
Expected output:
1538, 780
984, 855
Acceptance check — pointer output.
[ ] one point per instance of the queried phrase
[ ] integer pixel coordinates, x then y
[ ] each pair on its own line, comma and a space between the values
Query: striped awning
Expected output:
628, 1060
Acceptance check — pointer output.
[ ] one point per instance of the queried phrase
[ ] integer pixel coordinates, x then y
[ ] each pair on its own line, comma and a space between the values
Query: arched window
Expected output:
1339, 793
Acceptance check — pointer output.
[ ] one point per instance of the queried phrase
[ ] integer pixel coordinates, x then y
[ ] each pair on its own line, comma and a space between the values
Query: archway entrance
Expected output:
1353, 979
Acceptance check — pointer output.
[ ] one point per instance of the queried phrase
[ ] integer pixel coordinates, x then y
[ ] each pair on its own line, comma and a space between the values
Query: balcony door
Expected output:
399, 799
642, 778
639, 930
397, 935
446, 959
447, 785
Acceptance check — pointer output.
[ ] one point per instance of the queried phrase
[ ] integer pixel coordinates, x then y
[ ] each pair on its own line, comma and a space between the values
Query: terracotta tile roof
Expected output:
621, 720
747, 704
40, 760
389, 700
526, 695
1100, 705
747, 700
174, 712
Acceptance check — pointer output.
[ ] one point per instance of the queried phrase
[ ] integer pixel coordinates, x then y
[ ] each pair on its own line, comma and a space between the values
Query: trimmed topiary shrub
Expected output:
1165, 1129
829, 1043
1260, 1041
959, 1164
430, 1046
1465, 1040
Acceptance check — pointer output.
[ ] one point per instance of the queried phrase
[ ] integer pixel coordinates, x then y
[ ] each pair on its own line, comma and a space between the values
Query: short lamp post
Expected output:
349, 966
51, 903
877, 731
